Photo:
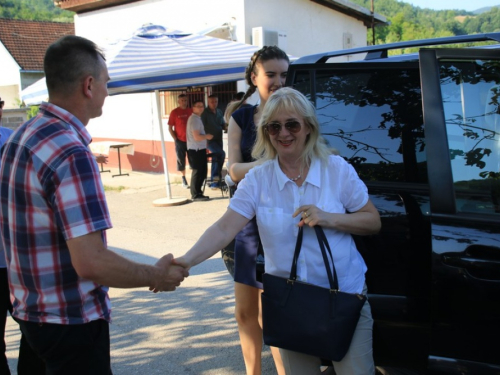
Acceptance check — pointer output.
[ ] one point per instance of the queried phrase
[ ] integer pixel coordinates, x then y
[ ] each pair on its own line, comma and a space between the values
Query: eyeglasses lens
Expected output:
274, 128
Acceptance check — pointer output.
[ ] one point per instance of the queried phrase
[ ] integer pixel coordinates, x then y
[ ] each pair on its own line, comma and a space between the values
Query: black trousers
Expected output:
80, 349
198, 161
27, 363
5, 306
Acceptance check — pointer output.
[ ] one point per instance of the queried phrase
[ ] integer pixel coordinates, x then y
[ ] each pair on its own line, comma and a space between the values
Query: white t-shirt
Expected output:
333, 186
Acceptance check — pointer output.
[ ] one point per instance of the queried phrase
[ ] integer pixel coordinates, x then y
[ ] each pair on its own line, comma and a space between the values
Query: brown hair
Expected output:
68, 60
262, 55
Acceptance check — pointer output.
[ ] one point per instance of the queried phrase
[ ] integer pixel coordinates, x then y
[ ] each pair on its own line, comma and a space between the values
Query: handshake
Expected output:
168, 274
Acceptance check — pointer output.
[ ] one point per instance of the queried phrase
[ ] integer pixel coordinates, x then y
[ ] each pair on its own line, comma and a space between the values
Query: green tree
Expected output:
34, 10
407, 22
484, 23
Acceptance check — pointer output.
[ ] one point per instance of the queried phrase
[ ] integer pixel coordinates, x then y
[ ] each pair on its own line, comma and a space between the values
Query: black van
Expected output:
423, 132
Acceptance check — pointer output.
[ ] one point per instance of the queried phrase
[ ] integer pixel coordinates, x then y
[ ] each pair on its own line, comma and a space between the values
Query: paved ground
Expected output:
189, 331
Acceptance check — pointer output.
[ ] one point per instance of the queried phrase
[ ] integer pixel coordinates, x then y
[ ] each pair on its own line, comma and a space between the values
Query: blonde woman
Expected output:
300, 183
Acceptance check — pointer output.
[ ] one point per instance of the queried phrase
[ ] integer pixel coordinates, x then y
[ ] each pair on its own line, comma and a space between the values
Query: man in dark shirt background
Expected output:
213, 122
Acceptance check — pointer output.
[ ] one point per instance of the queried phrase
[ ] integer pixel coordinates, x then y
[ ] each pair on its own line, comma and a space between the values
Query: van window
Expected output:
471, 102
373, 117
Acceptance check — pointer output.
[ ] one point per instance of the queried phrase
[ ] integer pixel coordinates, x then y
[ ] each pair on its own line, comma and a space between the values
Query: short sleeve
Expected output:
171, 118
78, 197
243, 200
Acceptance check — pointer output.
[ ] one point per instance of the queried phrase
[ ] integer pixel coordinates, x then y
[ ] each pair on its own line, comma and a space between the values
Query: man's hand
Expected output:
101, 159
209, 136
170, 277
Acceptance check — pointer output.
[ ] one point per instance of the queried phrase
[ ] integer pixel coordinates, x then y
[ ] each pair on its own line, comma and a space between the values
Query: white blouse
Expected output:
332, 186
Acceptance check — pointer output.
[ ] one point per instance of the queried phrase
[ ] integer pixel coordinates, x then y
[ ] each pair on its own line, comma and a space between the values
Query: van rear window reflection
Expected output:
370, 118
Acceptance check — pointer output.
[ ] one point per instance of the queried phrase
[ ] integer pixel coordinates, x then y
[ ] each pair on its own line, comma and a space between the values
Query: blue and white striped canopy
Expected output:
154, 59
162, 61
35, 93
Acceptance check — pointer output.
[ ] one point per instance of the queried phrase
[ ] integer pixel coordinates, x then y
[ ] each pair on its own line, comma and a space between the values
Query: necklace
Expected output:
296, 178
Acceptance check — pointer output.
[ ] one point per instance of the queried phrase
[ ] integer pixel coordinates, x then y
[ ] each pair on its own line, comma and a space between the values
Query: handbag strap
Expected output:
298, 245
325, 247
323, 242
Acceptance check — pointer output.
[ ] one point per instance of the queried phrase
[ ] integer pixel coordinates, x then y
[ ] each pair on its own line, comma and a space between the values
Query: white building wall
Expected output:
10, 79
310, 28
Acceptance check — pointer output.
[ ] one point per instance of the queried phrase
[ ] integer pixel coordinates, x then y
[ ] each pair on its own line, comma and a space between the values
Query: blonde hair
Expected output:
291, 101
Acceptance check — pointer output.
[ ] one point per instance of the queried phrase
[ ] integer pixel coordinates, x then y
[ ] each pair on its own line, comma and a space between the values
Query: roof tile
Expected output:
27, 41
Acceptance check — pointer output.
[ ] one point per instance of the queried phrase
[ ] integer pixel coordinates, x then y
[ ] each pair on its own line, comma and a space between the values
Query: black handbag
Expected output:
307, 318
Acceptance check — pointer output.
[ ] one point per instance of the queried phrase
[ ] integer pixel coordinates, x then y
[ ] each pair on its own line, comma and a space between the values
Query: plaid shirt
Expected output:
50, 192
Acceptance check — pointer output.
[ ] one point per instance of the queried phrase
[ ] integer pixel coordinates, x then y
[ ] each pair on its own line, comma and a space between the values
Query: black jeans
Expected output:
5, 306
198, 161
80, 349
181, 152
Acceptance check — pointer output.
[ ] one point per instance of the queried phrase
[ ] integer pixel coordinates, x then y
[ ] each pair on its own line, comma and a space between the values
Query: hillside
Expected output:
408, 22
485, 9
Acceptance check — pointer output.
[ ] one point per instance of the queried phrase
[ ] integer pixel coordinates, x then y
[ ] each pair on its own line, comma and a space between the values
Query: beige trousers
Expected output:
357, 361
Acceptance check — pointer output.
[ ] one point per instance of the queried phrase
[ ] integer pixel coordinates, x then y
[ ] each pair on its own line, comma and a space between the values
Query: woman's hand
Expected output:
181, 261
312, 215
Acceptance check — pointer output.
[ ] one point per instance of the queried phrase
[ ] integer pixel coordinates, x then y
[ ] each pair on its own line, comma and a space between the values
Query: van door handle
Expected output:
467, 262
481, 268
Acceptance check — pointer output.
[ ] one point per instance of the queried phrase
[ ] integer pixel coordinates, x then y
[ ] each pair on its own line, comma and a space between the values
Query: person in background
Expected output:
53, 218
213, 121
197, 151
266, 73
101, 159
177, 124
239, 97
5, 305
300, 183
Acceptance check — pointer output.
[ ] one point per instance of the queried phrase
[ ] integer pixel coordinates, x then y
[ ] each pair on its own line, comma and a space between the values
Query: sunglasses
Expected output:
274, 128
1, 103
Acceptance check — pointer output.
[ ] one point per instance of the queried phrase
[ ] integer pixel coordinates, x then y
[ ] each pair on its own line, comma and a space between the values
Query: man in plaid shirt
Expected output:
53, 219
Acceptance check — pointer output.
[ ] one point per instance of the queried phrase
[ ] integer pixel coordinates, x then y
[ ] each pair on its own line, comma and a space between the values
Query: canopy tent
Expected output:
36, 93
155, 59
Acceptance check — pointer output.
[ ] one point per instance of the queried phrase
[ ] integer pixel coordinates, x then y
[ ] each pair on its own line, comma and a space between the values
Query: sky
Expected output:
469, 5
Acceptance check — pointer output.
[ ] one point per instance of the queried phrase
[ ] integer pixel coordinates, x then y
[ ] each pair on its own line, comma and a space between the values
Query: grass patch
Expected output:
114, 188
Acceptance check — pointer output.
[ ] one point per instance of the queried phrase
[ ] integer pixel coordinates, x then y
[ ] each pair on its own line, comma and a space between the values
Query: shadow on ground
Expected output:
189, 331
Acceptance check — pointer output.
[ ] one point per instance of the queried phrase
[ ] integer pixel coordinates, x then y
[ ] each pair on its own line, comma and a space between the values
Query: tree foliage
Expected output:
34, 10
407, 22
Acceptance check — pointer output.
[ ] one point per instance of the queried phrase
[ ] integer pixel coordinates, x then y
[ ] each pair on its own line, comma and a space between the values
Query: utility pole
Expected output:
373, 23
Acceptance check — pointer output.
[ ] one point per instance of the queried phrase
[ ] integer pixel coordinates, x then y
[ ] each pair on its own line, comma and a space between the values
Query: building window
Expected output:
225, 92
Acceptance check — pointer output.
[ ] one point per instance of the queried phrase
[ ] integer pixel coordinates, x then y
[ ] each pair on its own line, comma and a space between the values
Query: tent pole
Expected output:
163, 149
